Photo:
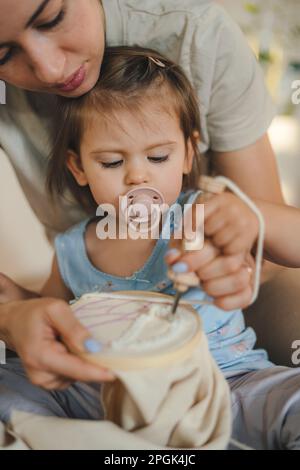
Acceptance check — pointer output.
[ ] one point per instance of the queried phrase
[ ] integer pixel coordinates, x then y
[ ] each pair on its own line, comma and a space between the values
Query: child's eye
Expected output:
158, 159
112, 164
51, 24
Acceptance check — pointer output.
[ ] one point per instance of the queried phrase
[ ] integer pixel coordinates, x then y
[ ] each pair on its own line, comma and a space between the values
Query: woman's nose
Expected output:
47, 61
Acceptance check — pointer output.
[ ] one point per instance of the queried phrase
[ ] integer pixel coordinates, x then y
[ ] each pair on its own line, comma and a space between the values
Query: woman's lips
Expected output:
75, 81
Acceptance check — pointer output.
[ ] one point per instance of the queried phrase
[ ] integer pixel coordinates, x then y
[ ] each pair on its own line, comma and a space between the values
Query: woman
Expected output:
55, 47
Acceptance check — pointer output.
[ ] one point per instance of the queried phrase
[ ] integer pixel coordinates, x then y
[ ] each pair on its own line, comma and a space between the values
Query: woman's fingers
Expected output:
230, 284
72, 332
221, 266
48, 380
69, 366
57, 359
214, 224
238, 300
225, 237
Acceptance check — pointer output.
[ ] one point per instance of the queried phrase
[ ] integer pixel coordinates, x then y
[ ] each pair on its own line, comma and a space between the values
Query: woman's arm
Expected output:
282, 237
253, 169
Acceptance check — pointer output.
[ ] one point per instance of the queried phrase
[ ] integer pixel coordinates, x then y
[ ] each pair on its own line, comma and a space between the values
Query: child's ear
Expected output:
189, 157
75, 167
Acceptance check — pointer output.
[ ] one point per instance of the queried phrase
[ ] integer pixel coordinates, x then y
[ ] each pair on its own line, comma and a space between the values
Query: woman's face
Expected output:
51, 46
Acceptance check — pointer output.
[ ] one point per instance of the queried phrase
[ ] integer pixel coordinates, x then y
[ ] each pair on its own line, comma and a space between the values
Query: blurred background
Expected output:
272, 28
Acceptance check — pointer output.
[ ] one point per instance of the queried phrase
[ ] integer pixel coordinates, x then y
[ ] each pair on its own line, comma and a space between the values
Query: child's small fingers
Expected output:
193, 261
172, 254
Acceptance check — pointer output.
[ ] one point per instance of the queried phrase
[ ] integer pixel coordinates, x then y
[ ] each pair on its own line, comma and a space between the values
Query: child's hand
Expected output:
230, 224
10, 291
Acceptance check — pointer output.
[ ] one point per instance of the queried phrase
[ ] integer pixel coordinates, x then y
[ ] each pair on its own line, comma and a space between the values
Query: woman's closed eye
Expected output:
42, 27
7, 56
55, 22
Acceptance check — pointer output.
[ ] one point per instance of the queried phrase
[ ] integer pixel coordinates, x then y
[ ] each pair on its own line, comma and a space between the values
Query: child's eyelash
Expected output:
119, 162
112, 164
159, 159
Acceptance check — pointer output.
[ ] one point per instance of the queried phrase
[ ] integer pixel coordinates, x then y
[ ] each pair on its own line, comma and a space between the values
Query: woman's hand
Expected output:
33, 329
226, 278
230, 224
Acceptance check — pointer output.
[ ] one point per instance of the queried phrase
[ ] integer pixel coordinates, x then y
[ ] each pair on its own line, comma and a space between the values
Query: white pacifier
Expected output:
142, 205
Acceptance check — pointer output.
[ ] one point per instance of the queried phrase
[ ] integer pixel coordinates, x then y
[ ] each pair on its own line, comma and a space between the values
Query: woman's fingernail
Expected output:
180, 268
92, 345
172, 252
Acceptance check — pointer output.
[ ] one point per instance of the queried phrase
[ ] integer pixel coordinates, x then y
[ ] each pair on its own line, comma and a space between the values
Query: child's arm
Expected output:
54, 286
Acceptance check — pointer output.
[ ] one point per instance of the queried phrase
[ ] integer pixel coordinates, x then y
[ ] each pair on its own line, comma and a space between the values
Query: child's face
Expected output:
133, 152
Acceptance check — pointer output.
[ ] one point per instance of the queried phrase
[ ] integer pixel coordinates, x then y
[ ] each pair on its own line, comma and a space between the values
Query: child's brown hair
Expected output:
129, 76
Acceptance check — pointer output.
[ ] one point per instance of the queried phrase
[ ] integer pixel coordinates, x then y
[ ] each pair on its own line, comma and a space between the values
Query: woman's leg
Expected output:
266, 408
17, 393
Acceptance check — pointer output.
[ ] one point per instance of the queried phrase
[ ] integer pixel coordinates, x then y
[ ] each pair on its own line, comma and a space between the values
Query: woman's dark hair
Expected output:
128, 77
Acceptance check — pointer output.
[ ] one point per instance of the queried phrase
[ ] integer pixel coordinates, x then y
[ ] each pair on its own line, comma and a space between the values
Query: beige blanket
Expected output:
183, 406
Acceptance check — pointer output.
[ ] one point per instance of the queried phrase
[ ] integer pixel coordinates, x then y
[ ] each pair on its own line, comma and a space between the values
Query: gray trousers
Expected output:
265, 404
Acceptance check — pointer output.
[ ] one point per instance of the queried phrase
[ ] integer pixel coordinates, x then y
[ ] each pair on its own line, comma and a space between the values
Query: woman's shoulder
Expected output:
164, 15
162, 7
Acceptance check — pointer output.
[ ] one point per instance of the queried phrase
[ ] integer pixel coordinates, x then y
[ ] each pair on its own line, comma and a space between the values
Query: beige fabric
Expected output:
234, 105
183, 406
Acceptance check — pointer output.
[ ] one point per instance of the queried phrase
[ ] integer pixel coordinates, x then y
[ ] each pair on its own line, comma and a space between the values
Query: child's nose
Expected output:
136, 175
